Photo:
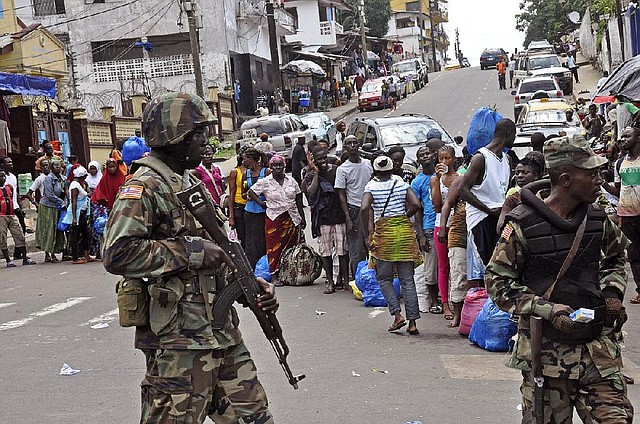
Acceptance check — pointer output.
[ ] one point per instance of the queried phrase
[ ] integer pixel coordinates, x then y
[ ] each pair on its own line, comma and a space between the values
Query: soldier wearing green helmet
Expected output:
559, 253
171, 268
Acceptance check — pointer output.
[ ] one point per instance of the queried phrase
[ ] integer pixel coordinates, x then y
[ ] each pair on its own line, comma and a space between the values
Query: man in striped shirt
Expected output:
9, 222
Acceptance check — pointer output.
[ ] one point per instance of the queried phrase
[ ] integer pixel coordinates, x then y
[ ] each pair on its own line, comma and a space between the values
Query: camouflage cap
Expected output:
170, 117
574, 151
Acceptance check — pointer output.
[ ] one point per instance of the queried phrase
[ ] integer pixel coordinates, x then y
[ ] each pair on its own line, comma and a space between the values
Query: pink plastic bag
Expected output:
473, 303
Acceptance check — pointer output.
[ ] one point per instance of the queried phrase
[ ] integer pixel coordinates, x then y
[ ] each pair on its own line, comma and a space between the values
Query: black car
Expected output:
410, 131
491, 57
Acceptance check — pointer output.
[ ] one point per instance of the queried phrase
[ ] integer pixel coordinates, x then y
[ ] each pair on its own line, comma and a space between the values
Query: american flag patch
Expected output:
131, 192
506, 232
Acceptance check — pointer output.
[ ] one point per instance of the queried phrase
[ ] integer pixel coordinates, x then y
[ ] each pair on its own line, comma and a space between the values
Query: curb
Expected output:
346, 113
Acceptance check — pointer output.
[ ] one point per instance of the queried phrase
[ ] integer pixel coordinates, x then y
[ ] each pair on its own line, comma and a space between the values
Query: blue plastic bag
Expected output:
481, 129
133, 149
493, 329
262, 268
62, 226
368, 284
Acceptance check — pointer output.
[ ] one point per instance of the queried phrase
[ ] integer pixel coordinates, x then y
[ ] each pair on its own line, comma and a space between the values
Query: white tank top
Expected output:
493, 188
444, 190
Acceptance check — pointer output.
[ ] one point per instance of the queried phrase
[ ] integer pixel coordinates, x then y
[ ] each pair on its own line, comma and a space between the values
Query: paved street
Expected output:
46, 314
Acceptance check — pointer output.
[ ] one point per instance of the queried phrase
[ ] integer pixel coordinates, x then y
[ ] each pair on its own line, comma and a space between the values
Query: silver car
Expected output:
283, 131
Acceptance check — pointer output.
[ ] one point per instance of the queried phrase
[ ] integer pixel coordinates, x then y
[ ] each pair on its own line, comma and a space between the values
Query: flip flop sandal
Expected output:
635, 299
329, 291
435, 309
413, 332
397, 326
29, 262
448, 317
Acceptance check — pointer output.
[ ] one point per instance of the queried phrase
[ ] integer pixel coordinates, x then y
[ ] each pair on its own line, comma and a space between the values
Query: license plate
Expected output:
374, 103
249, 133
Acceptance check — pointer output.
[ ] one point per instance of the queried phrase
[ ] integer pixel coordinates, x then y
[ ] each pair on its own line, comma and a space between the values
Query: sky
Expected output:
483, 24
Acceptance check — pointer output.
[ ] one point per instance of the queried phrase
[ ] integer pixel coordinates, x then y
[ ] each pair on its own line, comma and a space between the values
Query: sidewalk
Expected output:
589, 77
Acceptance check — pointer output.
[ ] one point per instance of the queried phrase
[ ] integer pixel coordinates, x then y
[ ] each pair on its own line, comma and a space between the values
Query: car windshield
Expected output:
371, 87
543, 62
409, 133
269, 127
312, 121
404, 67
533, 86
553, 116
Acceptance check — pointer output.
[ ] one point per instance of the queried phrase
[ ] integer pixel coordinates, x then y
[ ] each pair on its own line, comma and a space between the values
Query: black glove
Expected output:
563, 323
616, 313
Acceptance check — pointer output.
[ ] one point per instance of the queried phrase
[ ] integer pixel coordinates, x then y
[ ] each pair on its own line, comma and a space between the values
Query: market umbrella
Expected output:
301, 67
372, 56
623, 84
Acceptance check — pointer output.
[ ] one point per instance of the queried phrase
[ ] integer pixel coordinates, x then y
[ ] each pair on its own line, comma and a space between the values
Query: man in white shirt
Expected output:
351, 178
512, 70
38, 183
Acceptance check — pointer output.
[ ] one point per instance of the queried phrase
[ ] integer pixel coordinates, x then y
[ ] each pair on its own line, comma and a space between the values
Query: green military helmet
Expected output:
170, 117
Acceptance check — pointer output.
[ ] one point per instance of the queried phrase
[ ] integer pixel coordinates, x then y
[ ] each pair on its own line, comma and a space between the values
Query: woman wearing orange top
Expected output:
236, 201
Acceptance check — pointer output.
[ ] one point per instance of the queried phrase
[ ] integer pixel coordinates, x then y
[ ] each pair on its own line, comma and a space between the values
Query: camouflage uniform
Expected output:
585, 375
193, 371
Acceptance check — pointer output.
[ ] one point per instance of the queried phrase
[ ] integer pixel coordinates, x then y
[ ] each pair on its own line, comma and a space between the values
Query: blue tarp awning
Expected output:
25, 84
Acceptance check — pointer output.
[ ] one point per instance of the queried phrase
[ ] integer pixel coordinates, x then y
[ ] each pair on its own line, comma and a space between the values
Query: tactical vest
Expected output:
549, 239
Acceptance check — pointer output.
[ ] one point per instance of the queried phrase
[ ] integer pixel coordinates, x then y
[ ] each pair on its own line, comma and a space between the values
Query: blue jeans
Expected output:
384, 274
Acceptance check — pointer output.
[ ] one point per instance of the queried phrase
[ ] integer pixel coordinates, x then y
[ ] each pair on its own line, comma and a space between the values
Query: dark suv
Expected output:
410, 131
491, 57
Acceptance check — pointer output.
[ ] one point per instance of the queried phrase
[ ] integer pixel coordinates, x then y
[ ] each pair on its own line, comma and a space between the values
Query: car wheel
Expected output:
361, 109
482, 67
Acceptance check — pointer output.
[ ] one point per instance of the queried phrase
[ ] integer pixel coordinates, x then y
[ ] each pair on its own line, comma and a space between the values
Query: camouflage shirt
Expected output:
149, 235
504, 284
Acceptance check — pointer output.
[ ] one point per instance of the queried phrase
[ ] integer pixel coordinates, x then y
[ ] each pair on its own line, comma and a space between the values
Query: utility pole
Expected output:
195, 22
363, 40
433, 36
273, 47
620, 27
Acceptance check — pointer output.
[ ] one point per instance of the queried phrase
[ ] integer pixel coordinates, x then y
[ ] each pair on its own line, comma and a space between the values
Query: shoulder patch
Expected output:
131, 192
506, 232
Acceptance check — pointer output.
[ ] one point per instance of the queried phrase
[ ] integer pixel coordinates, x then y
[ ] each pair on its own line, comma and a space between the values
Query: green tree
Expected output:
376, 12
547, 19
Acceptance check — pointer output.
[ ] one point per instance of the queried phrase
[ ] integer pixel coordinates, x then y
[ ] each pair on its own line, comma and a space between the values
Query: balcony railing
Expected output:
251, 9
167, 66
285, 20
331, 28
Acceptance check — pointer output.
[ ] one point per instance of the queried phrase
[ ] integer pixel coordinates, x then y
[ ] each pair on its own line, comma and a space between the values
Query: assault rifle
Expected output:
243, 285
535, 326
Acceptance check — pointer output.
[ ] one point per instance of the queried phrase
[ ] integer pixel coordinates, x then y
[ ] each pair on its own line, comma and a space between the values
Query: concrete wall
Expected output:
142, 18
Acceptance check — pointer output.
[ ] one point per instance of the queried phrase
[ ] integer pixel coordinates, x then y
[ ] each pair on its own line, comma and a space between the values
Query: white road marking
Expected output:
376, 312
4, 305
46, 311
12, 288
107, 316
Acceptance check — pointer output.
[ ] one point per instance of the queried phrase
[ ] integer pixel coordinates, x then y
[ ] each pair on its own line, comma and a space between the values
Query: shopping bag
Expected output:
493, 329
481, 129
473, 303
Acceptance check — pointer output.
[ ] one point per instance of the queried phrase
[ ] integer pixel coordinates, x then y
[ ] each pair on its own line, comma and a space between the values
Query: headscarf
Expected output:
276, 158
92, 181
122, 167
70, 173
108, 187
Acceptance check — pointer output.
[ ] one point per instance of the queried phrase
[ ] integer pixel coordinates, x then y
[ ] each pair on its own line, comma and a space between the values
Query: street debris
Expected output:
379, 371
355, 374
67, 370
320, 312
100, 325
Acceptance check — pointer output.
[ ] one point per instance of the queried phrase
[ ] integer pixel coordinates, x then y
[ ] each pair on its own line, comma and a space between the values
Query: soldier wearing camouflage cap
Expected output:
193, 371
580, 361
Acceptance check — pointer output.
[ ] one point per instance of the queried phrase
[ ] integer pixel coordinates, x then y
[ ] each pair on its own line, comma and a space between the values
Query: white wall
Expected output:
309, 25
143, 18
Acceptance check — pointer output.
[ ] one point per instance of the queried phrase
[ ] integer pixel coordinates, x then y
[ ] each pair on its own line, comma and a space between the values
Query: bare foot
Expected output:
412, 328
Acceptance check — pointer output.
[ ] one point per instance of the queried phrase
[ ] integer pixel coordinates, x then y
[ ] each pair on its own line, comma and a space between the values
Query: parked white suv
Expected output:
544, 64
532, 88
283, 130
416, 68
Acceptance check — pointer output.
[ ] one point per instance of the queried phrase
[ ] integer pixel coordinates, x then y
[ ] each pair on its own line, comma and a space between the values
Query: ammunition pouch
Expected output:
133, 302
163, 305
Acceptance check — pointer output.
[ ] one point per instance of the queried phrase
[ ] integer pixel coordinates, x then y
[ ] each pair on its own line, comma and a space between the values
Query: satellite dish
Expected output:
574, 17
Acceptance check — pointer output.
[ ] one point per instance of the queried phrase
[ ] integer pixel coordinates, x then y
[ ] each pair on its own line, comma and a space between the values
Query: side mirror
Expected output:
367, 147
304, 127
458, 139
513, 93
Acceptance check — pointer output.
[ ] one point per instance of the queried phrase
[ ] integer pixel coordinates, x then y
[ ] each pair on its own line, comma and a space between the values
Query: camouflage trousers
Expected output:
187, 386
597, 399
